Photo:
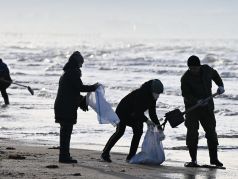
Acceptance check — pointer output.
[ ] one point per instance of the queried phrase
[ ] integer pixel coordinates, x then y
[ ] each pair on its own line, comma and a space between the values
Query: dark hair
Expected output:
193, 61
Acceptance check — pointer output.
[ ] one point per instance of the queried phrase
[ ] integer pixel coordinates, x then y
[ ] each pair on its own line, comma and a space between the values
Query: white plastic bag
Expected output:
105, 114
152, 151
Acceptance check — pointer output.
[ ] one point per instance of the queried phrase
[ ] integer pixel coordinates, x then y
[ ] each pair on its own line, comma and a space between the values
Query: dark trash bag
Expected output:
174, 117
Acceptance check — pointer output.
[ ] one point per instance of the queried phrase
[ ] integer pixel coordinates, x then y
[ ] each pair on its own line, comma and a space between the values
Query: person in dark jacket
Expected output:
67, 102
5, 81
131, 110
196, 84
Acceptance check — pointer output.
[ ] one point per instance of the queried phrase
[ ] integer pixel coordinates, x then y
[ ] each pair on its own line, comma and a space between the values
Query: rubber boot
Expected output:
106, 157
213, 156
193, 153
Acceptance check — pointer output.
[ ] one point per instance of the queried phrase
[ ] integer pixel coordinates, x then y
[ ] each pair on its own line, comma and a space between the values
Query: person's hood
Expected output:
74, 60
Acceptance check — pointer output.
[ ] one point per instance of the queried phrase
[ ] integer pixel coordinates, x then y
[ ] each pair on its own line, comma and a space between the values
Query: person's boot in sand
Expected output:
67, 159
193, 155
213, 156
106, 158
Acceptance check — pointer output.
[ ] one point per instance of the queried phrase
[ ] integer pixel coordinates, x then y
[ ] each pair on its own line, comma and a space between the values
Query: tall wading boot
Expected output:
213, 156
193, 155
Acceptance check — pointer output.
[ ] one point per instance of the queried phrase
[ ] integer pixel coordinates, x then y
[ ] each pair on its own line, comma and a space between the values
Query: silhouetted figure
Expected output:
131, 110
196, 84
5, 81
67, 102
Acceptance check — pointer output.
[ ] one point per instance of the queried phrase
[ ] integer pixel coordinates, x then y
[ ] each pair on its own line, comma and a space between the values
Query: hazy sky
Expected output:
122, 18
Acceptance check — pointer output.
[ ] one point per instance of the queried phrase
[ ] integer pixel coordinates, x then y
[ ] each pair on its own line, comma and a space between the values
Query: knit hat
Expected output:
157, 86
193, 61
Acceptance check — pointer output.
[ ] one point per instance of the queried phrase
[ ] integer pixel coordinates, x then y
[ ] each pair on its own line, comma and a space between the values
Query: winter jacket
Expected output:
68, 96
5, 75
132, 107
199, 87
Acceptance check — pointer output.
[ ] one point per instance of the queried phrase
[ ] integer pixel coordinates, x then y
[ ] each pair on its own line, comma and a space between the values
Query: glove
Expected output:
96, 85
150, 123
159, 127
202, 103
83, 105
220, 90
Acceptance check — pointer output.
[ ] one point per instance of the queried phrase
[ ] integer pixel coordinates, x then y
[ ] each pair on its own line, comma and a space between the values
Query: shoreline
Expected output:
42, 162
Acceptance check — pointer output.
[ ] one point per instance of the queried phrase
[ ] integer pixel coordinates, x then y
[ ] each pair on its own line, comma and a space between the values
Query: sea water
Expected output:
121, 66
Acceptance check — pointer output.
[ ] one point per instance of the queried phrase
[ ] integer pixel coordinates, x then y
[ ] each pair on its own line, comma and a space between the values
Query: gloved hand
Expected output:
159, 127
83, 105
96, 85
202, 103
150, 123
220, 90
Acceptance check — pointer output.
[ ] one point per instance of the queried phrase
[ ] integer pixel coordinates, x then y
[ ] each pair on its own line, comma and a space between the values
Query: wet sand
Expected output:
19, 160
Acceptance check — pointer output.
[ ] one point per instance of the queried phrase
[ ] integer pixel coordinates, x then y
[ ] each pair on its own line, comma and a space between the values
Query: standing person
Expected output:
196, 84
67, 101
5, 81
131, 110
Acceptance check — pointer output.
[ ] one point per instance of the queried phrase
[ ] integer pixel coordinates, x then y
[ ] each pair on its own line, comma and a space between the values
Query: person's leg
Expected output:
137, 133
192, 124
112, 141
65, 136
5, 96
208, 123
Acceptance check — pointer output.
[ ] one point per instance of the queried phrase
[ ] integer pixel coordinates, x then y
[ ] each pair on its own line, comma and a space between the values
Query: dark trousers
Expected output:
207, 119
5, 96
137, 133
65, 136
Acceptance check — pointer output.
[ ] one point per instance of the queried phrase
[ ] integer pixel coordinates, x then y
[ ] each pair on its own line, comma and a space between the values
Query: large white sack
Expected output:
152, 151
105, 114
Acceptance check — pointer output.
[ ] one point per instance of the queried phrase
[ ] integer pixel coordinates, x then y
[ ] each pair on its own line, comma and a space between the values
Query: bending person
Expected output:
131, 110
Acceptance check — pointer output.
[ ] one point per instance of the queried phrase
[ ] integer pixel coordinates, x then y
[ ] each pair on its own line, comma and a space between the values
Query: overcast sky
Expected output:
122, 18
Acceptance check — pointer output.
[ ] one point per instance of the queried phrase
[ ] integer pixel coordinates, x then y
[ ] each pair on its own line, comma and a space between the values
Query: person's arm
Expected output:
78, 84
87, 88
216, 78
152, 114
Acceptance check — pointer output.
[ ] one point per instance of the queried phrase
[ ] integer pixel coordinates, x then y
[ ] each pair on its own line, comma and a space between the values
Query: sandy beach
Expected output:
124, 44
19, 160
